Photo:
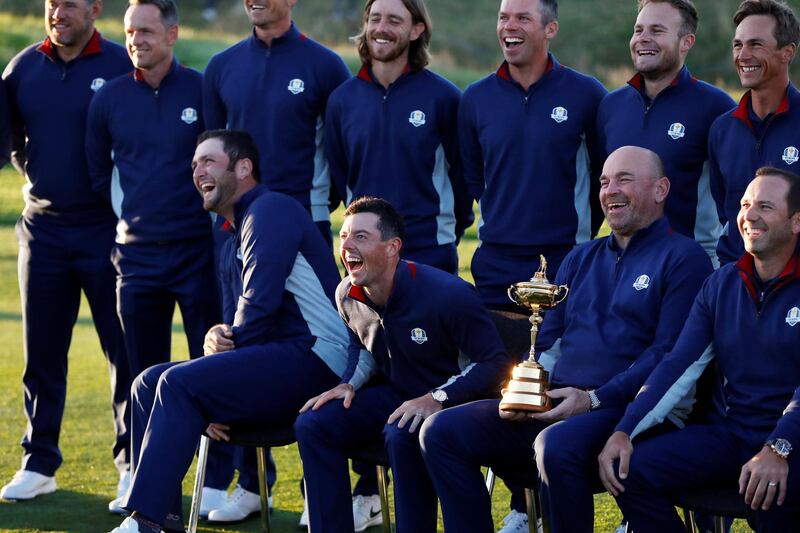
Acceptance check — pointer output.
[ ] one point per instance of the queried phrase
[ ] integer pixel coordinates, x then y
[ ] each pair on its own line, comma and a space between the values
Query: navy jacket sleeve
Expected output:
214, 113
477, 339
789, 425
268, 257
683, 283
470, 147
225, 274
99, 144
335, 151
448, 131
677, 373
16, 127
717, 180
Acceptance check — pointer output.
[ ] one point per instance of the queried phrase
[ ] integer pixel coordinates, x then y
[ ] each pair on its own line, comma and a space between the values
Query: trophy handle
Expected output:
563, 290
512, 292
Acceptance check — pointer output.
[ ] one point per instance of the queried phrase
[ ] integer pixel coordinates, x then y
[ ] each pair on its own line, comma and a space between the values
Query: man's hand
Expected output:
416, 410
342, 391
574, 402
218, 432
762, 477
218, 339
618, 446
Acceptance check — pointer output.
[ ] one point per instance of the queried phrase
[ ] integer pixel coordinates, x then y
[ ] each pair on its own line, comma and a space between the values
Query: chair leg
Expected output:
491, 477
383, 491
199, 481
688, 519
719, 524
261, 455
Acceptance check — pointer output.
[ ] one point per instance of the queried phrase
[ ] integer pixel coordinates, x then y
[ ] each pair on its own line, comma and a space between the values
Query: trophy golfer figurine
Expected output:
526, 391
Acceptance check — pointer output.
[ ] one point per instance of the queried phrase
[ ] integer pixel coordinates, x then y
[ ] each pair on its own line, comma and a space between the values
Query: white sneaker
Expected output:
212, 499
303, 522
515, 522
241, 504
26, 485
115, 505
366, 512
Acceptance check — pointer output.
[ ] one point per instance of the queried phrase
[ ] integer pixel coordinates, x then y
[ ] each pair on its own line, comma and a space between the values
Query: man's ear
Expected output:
243, 168
662, 189
393, 246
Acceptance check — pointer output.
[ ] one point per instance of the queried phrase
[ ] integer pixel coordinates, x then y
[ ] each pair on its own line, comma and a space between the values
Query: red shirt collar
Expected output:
365, 73
747, 266
637, 81
504, 72
741, 112
92, 47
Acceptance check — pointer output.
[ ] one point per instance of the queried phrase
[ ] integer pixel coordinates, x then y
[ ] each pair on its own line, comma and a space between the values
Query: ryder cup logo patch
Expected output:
296, 86
791, 155
642, 282
97, 83
793, 316
559, 114
189, 115
417, 118
418, 335
676, 131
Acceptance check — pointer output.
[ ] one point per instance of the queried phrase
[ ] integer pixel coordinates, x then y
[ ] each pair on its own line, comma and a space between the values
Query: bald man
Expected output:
629, 296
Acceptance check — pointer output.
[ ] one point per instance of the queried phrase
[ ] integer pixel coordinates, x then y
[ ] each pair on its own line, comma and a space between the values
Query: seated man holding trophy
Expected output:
286, 342
629, 295
746, 319
434, 346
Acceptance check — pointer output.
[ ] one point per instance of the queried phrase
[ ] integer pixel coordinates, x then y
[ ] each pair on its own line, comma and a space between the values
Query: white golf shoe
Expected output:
26, 485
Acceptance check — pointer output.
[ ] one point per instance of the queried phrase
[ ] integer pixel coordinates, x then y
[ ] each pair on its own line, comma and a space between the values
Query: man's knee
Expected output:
145, 384
398, 439
552, 451
436, 433
312, 426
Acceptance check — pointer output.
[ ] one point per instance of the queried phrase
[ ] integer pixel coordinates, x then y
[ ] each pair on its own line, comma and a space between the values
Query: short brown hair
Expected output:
787, 28
686, 8
418, 54
793, 196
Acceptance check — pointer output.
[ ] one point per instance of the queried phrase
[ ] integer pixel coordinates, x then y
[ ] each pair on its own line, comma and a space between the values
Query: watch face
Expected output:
782, 446
440, 396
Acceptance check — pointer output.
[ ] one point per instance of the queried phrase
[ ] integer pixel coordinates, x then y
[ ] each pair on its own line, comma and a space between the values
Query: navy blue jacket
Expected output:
48, 102
279, 278
278, 94
434, 332
401, 144
5, 139
143, 140
755, 338
624, 310
531, 158
737, 146
674, 125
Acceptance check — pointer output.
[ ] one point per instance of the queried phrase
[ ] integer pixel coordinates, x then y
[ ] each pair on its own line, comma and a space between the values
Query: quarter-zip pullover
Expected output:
644, 292
278, 94
531, 157
738, 145
401, 144
433, 333
140, 142
754, 337
48, 133
675, 125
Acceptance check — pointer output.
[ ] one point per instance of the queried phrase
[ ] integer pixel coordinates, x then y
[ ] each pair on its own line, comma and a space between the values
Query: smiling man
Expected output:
762, 130
745, 317
140, 138
66, 231
434, 346
282, 341
629, 295
664, 108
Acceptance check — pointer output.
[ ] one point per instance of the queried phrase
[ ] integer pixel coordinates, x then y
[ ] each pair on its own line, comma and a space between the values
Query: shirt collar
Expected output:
292, 36
365, 73
682, 77
504, 72
654, 231
404, 275
243, 204
747, 271
93, 47
742, 111
138, 76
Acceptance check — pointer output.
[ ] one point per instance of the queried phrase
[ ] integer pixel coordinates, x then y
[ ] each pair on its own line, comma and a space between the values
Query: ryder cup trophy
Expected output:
526, 391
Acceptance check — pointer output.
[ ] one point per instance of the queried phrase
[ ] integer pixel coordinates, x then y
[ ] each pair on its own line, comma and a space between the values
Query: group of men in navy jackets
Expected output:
674, 361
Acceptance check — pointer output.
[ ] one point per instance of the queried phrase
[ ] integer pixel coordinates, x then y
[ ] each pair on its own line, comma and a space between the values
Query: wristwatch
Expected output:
440, 396
781, 447
595, 401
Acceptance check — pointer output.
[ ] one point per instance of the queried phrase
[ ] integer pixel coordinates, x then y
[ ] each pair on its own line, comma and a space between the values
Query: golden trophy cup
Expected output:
527, 388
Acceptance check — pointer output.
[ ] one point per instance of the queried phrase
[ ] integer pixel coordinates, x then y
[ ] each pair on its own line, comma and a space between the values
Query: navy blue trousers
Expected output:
151, 278
327, 436
55, 263
690, 458
456, 442
495, 268
173, 404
